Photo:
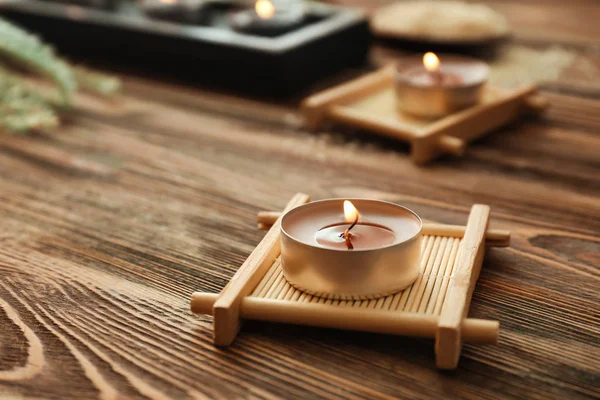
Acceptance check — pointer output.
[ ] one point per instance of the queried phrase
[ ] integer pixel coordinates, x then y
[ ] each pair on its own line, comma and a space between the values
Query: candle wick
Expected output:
348, 237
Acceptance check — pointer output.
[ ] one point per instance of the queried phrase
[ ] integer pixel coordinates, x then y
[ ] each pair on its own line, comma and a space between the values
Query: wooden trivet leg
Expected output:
535, 104
226, 308
448, 343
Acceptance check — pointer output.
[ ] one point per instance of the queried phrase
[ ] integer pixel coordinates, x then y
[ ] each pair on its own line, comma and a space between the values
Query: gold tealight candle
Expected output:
268, 18
350, 249
431, 87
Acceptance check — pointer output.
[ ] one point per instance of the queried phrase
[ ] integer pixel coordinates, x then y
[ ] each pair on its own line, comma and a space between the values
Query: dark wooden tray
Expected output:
209, 51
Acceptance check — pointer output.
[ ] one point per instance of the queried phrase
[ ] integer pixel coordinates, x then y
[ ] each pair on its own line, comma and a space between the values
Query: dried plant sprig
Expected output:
27, 104
22, 109
96, 82
27, 50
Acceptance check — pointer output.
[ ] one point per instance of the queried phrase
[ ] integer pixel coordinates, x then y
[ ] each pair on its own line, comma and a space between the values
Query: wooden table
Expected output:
109, 224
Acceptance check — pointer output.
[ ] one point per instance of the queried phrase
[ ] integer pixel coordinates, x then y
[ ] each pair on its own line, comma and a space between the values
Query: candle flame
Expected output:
264, 9
431, 62
350, 212
168, 1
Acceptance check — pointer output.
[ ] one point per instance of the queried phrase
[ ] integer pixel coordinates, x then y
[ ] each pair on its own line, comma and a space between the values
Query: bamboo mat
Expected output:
425, 296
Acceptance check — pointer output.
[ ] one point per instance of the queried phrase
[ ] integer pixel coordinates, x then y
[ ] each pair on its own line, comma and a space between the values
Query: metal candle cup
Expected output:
385, 258
428, 94
266, 19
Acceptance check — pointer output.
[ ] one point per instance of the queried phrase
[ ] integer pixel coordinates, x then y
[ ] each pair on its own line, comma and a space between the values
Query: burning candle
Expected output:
350, 249
430, 87
268, 18
353, 234
433, 75
264, 9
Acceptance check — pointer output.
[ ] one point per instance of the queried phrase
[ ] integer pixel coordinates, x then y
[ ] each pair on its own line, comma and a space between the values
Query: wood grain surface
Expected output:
110, 223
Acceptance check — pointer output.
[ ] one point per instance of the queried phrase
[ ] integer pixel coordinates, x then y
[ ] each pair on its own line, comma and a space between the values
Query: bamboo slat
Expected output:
226, 308
365, 319
460, 289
